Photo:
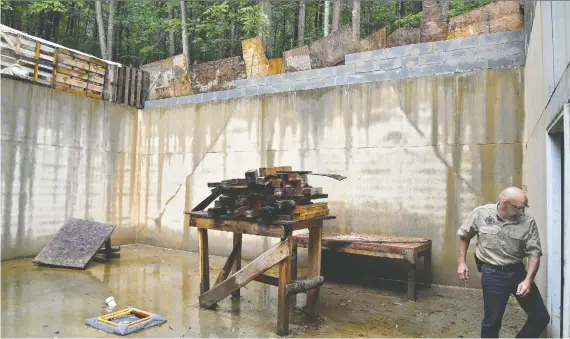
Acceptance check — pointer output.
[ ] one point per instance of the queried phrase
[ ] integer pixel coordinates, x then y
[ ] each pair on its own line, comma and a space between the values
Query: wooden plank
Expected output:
204, 260
67, 60
133, 86
314, 263
267, 279
310, 208
237, 266
127, 80
84, 57
255, 268
284, 280
146, 84
54, 72
229, 264
138, 102
70, 81
76, 91
120, 85
244, 227
8, 39
12, 54
75, 243
37, 57
97, 79
115, 83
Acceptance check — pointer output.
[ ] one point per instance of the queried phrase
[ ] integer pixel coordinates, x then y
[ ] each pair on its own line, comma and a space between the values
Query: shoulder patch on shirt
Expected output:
489, 221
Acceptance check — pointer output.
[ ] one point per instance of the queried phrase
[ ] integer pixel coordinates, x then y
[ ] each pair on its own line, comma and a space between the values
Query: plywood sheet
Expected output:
75, 244
256, 63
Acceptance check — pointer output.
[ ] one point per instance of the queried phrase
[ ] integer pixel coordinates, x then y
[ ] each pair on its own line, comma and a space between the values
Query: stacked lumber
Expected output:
274, 193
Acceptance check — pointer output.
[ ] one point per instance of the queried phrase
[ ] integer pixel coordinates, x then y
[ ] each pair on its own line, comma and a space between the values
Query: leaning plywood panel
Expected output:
75, 244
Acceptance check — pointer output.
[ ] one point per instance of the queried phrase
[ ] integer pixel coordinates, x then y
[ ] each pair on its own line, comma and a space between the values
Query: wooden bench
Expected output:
401, 248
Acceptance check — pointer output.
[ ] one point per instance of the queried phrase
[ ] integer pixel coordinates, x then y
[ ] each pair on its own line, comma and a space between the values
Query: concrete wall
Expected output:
63, 156
547, 88
419, 154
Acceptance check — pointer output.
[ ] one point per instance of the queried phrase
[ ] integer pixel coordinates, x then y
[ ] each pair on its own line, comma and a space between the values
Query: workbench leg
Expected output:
427, 268
411, 281
108, 249
204, 261
282, 297
237, 265
294, 262
315, 239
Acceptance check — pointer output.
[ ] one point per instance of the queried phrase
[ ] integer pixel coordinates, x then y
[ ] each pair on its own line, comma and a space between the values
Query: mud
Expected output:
47, 302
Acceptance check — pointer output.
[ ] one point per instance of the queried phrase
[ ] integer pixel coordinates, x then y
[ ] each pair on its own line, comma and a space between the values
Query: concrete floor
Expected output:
47, 302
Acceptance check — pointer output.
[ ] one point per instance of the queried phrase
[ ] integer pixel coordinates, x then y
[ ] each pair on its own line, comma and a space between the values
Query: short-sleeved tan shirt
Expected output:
501, 241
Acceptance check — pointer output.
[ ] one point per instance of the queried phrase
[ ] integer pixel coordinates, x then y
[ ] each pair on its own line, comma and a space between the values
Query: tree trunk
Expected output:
185, 48
100, 30
327, 17
110, 28
356, 19
444, 8
171, 33
301, 29
266, 29
335, 15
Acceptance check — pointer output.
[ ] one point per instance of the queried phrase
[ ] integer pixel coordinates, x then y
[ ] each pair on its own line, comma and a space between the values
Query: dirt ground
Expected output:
54, 302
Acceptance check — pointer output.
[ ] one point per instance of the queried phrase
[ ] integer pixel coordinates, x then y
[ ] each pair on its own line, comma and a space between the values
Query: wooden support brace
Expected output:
229, 264
300, 286
267, 279
204, 260
258, 266
37, 57
237, 266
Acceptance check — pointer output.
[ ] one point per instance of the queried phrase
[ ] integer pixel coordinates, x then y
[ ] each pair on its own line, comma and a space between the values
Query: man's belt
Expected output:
506, 268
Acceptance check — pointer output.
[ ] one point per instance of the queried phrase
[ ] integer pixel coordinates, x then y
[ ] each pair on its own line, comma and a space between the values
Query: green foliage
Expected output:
215, 27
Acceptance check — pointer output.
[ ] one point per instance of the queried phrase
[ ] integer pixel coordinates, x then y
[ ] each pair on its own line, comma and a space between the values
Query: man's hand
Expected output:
524, 288
463, 272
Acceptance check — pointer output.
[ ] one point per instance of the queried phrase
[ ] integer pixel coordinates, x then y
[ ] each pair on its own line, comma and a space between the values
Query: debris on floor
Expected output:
126, 321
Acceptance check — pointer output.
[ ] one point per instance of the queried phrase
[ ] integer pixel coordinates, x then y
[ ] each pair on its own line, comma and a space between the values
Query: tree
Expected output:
266, 25
105, 42
335, 15
301, 29
185, 48
171, 31
356, 19
327, 17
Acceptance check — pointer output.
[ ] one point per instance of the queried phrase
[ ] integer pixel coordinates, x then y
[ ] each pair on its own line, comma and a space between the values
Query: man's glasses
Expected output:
520, 208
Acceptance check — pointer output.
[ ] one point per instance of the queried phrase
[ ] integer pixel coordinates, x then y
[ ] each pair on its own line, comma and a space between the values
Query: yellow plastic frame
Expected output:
106, 318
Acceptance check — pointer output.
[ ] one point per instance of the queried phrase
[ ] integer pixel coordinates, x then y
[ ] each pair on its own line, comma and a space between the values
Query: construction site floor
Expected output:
55, 302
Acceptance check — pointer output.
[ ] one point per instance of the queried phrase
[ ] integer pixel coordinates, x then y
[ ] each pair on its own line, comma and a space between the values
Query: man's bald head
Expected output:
512, 202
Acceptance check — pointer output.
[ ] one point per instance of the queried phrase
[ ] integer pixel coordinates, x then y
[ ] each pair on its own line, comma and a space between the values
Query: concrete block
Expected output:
376, 76
242, 83
353, 58
184, 100
284, 87
223, 95
355, 78
151, 104
426, 47
507, 61
472, 41
502, 37
388, 64
510, 48
170, 101
472, 65
235, 93
330, 81
316, 83
300, 85
397, 74
366, 66
411, 60
444, 68
343, 70
252, 90
422, 70
310, 74
396, 52
263, 90
378, 54
460, 54
432, 58
486, 52
195, 98
445, 45
208, 96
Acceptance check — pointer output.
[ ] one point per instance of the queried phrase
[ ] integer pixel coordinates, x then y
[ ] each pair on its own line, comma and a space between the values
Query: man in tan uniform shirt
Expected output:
505, 236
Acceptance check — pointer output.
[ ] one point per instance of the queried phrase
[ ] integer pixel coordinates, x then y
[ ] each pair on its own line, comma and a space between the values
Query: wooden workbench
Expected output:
281, 254
409, 249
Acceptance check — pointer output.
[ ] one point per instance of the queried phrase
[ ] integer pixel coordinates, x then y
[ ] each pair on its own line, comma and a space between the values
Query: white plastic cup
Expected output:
111, 302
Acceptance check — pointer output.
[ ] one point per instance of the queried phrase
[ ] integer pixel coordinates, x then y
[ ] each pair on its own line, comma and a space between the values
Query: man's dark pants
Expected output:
497, 286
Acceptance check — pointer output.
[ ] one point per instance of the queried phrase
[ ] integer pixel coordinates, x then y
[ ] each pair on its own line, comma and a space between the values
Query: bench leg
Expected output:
237, 265
411, 281
315, 246
427, 268
204, 260
294, 262
282, 297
